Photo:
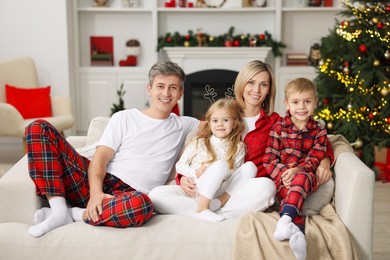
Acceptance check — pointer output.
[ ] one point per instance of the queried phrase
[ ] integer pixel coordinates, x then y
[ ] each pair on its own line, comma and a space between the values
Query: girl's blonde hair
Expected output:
234, 111
246, 74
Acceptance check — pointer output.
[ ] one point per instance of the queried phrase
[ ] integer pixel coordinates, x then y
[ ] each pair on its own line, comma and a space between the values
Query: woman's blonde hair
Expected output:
234, 111
246, 74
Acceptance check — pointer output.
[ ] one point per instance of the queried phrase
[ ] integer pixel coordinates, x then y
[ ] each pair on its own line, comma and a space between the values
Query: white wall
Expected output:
38, 29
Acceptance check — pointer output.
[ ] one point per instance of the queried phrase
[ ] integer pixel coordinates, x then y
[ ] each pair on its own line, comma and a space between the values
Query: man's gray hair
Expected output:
167, 68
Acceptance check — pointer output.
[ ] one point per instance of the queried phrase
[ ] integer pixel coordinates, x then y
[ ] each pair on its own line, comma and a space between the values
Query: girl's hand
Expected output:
188, 186
94, 207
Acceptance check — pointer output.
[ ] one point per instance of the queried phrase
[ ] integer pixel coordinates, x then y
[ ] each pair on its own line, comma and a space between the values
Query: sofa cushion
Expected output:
162, 237
318, 199
30, 102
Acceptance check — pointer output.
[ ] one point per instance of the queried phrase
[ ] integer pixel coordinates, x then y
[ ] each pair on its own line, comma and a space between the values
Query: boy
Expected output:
135, 154
295, 148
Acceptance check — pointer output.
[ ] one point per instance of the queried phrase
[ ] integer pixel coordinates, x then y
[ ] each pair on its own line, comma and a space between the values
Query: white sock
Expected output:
285, 228
43, 213
298, 245
209, 216
76, 213
215, 204
59, 216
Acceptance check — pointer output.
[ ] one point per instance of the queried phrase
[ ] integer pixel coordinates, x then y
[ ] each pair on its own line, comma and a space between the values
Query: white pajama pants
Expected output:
247, 194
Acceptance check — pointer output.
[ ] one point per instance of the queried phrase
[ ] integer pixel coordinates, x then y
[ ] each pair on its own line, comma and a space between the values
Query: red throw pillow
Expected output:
30, 102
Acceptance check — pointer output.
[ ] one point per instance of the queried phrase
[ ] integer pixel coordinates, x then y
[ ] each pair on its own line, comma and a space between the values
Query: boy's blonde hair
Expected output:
234, 111
300, 85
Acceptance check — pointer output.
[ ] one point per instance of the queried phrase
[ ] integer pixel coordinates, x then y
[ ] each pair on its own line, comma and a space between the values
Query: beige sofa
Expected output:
164, 236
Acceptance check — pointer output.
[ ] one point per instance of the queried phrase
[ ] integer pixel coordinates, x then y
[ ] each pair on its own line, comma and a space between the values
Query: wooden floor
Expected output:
382, 221
10, 153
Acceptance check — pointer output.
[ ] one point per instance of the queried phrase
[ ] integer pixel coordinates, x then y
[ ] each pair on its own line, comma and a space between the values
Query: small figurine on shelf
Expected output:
200, 3
252, 41
315, 55
314, 2
201, 38
101, 3
133, 49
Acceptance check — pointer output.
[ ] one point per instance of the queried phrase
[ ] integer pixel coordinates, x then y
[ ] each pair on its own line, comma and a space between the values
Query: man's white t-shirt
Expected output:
146, 148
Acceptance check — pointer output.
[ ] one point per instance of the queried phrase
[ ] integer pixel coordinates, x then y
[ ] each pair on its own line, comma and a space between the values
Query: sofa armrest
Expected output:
12, 122
354, 200
18, 200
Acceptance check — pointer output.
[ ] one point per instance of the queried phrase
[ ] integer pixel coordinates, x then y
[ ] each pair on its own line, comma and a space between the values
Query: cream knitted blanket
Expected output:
326, 236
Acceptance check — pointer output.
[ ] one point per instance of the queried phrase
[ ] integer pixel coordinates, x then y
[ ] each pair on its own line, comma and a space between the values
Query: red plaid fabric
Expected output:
58, 170
256, 141
289, 147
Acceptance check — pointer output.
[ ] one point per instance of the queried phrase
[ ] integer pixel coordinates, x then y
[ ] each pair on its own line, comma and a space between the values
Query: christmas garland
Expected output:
228, 39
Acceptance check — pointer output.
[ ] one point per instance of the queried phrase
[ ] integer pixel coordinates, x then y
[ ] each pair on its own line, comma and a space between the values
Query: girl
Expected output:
214, 160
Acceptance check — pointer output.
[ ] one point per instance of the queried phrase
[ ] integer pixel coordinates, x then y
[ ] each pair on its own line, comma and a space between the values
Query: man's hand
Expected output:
189, 187
94, 207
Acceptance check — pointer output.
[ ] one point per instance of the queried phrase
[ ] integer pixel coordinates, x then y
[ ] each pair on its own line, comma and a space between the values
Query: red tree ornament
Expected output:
379, 25
261, 36
169, 39
371, 116
362, 48
325, 101
236, 43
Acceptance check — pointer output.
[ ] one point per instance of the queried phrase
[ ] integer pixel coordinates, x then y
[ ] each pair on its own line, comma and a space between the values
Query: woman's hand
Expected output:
189, 187
94, 207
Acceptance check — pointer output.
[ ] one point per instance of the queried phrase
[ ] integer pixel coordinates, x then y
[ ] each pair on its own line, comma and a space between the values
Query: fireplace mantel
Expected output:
194, 59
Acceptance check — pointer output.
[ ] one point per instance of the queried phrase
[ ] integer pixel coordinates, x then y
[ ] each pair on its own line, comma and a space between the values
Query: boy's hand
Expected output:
323, 174
288, 176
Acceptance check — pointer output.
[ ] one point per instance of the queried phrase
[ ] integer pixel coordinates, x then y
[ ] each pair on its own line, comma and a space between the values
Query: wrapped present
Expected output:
382, 163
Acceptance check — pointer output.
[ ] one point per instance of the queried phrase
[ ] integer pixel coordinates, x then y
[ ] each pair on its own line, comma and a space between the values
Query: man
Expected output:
135, 154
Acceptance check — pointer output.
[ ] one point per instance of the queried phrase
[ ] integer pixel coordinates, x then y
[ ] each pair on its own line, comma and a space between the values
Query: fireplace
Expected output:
211, 72
203, 88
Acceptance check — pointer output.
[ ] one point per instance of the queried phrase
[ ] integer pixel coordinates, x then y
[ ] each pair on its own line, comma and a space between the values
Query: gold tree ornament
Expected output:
358, 143
329, 125
384, 92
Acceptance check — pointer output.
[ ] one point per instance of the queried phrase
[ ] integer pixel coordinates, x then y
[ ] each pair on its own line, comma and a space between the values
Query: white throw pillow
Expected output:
95, 131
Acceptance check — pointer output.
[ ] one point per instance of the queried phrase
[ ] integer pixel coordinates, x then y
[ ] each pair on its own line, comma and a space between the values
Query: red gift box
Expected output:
382, 163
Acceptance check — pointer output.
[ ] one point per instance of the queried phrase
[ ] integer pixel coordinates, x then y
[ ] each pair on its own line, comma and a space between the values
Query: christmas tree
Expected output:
353, 77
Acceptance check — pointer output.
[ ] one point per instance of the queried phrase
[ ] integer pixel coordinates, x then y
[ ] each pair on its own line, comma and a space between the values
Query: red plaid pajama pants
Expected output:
292, 199
58, 170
